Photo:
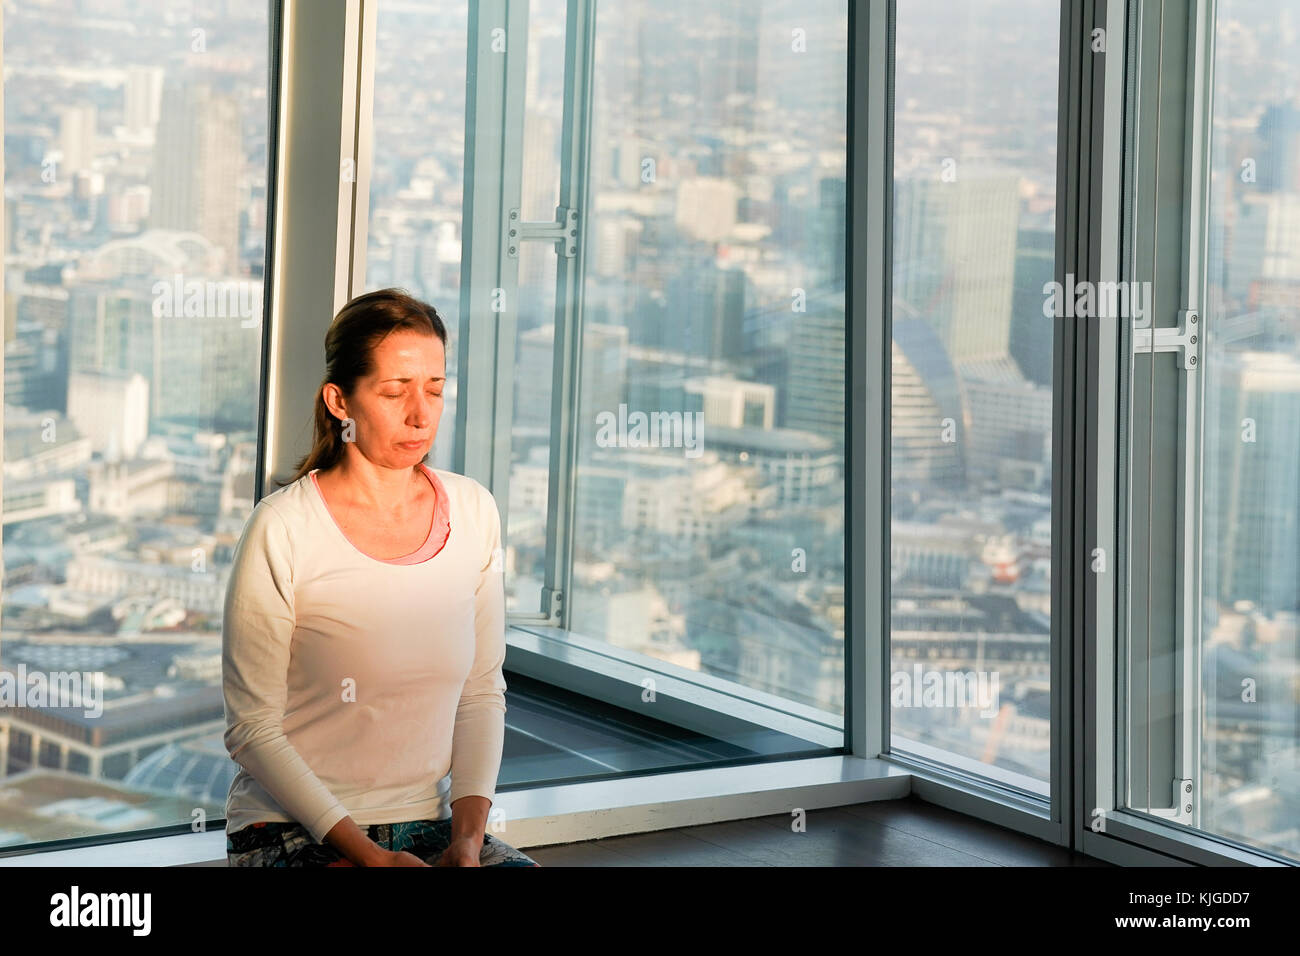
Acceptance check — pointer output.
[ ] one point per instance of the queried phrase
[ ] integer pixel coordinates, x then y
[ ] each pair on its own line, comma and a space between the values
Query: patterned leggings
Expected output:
289, 844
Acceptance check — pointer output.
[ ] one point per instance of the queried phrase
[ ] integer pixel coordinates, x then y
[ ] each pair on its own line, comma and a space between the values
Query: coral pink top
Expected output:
439, 529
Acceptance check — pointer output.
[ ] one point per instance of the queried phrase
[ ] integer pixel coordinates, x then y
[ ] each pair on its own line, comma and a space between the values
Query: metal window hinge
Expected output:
1183, 801
563, 232
1185, 339
552, 602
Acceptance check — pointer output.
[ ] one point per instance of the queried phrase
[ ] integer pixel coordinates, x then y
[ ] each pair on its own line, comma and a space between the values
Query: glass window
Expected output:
135, 215
1250, 588
418, 172
971, 397
709, 503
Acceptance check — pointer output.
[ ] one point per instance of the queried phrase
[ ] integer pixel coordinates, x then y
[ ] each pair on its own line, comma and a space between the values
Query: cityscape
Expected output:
136, 168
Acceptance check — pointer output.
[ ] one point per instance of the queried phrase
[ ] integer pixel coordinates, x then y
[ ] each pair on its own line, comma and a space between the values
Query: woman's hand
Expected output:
394, 858
357, 849
462, 851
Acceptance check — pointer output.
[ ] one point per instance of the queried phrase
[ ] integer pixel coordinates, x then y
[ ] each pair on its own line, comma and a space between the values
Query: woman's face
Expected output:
399, 402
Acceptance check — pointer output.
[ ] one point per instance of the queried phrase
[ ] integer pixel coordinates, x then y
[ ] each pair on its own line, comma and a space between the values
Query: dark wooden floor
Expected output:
905, 832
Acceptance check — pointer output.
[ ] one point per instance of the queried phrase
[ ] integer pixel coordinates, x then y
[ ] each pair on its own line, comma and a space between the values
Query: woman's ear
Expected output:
334, 400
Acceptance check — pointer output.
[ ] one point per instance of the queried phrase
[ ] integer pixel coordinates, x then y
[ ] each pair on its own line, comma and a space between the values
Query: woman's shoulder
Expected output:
466, 493
287, 505
462, 485
290, 497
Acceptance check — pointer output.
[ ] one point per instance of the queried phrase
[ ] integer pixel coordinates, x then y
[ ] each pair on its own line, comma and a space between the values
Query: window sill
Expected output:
694, 700
567, 813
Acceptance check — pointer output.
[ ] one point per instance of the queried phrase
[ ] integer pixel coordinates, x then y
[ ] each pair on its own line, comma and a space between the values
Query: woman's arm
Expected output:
468, 825
257, 628
351, 841
479, 734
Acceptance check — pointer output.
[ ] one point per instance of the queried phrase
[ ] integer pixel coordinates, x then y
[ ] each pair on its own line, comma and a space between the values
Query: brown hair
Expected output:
349, 355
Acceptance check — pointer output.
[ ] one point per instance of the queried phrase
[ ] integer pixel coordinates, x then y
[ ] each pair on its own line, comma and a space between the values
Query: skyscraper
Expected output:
929, 415
815, 382
196, 166
1252, 475
76, 139
955, 255
143, 94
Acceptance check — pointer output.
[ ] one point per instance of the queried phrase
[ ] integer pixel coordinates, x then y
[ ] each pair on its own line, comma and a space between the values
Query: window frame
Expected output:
1080, 141
1179, 143
486, 375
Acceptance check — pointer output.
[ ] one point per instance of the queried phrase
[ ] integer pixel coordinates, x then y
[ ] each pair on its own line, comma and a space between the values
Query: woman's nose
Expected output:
422, 412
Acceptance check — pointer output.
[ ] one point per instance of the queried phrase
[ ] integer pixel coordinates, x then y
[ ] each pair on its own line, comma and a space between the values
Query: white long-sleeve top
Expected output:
356, 687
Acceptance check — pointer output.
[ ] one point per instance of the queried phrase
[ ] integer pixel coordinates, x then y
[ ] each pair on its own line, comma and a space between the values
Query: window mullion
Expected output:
312, 260
573, 216
1170, 248
868, 339
494, 97
1195, 250
1089, 631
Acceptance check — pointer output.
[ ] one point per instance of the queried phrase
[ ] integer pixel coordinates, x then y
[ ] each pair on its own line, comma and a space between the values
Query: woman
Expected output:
364, 628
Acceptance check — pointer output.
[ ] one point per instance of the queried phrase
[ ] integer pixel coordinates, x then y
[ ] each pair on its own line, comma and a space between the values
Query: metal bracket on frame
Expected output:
563, 231
552, 603
1184, 801
1185, 339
